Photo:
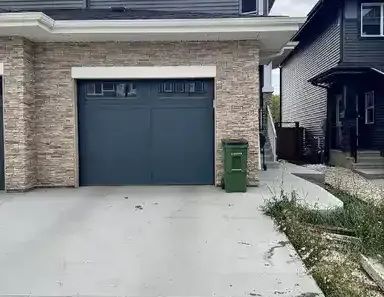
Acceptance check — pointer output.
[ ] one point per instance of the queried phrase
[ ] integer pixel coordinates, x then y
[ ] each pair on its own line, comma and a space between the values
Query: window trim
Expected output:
257, 2
367, 108
381, 5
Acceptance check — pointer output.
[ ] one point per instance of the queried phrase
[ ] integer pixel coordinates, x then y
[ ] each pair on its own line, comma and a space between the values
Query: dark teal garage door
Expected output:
146, 132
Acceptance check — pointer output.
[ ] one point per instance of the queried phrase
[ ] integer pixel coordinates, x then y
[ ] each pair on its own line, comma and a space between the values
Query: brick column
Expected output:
18, 57
237, 106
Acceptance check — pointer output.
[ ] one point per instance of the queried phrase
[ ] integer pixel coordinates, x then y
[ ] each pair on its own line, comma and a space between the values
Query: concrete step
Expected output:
272, 164
378, 164
268, 157
371, 173
368, 153
369, 158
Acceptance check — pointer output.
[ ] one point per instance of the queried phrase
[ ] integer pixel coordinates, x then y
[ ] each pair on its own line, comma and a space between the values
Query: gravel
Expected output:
354, 184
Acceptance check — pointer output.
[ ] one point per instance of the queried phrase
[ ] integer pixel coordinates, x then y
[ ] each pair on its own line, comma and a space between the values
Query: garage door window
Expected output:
108, 87
179, 87
98, 90
94, 89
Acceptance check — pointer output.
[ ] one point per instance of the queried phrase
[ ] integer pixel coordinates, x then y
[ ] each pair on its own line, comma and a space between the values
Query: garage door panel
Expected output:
115, 146
143, 132
182, 146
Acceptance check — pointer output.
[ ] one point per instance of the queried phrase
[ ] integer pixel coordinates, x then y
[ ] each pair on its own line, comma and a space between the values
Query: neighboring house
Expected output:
99, 92
332, 82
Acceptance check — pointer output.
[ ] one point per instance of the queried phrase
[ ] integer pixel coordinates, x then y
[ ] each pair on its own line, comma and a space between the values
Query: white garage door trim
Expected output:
144, 72
1, 68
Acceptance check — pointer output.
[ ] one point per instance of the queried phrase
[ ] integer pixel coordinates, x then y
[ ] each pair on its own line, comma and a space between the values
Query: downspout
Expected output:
281, 94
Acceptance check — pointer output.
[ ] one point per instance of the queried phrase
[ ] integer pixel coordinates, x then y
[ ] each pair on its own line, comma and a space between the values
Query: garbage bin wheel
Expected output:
222, 184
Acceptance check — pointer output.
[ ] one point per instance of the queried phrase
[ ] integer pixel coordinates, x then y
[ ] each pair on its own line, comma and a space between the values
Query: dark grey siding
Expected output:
209, 6
378, 135
357, 49
318, 51
37, 4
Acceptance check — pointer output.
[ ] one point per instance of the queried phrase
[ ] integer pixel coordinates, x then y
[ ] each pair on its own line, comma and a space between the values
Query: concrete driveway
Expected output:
145, 241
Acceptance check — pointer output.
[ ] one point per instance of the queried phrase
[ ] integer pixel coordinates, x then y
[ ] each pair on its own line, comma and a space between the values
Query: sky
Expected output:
290, 8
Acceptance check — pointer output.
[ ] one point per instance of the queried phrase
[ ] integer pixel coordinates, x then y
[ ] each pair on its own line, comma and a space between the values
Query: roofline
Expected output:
41, 26
24, 19
283, 54
341, 70
271, 3
310, 16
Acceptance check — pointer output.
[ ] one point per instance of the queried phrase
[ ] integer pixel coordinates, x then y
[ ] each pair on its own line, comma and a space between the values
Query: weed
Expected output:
331, 266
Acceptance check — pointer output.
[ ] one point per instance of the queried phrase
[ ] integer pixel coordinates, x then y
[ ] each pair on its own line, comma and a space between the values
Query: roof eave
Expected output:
271, 32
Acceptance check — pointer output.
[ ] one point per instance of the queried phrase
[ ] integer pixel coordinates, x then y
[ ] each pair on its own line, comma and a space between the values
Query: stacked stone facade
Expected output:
40, 112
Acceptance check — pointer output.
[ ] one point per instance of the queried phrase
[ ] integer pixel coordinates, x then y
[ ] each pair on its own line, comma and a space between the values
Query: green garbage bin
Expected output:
235, 165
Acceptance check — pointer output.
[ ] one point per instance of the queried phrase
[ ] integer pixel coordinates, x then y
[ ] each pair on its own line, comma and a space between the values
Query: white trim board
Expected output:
272, 32
1, 69
144, 72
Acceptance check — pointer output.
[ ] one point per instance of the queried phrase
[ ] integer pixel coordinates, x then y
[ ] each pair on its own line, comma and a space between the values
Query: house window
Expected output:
372, 19
370, 107
249, 6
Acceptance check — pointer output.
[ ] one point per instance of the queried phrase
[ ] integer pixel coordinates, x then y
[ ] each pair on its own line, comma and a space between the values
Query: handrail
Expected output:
270, 117
272, 135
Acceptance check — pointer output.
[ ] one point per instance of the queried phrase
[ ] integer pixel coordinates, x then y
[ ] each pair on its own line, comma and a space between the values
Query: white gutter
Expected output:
377, 70
253, 24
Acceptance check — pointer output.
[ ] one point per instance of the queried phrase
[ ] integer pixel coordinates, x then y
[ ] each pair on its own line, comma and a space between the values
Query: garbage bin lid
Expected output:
234, 141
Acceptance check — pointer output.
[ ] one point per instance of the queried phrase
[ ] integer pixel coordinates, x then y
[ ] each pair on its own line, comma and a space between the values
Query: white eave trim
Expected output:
253, 24
26, 19
48, 28
144, 72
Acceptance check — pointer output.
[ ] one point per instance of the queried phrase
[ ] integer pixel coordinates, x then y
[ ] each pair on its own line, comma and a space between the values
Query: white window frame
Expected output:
257, 7
381, 5
367, 108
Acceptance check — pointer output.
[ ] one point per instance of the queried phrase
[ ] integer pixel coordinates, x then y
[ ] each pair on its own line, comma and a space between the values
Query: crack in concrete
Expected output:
308, 295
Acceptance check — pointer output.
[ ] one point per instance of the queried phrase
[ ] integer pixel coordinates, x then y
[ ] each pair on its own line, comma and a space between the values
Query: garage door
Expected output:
146, 132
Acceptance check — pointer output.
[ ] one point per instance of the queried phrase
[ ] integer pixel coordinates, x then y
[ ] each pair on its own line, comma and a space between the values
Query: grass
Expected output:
333, 276
358, 217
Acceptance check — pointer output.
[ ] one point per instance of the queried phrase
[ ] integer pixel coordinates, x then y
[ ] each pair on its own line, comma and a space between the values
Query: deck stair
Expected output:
269, 156
370, 164
269, 132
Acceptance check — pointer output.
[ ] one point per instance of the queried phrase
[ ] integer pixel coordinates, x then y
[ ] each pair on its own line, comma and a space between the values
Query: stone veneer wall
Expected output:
19, 113
41, 132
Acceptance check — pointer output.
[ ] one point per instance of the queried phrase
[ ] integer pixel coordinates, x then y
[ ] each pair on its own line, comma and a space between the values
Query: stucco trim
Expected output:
144, 72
